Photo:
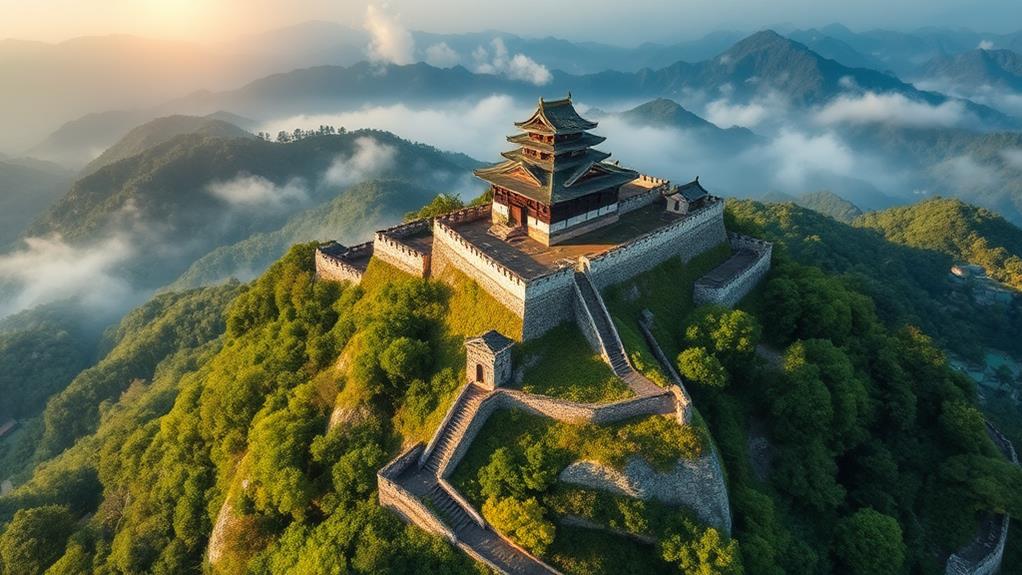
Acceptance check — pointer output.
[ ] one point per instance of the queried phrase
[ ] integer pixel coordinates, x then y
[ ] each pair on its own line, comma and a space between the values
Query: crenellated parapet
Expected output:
729, 282
339, 263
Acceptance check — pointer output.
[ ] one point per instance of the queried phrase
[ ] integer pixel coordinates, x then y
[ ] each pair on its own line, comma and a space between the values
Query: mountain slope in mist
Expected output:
148, 217
27, 188
349, 218
160, 130
823, 201
665, 113
762, 64
978, 68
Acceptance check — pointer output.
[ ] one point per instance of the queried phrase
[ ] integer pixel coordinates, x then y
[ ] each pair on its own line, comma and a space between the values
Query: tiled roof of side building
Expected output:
556, 117
692, 191
494, 340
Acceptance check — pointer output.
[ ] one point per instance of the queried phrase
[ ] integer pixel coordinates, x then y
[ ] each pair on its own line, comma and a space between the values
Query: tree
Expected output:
696, 364
440, 205
869, 543
522, 520
35, 539
730, 334
405, 359
704, 553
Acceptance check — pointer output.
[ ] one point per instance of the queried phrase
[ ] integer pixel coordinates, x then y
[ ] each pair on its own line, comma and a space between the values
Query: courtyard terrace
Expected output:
531, 259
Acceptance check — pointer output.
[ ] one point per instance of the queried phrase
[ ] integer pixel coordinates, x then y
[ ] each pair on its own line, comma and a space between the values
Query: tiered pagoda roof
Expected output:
555, 161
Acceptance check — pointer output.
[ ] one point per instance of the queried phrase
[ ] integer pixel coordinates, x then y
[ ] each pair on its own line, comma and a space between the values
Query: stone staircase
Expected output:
613, 349
448, 436
450, 510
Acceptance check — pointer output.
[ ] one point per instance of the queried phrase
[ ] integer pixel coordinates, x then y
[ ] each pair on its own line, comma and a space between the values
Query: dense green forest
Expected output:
964, 232
908, 284
241, 426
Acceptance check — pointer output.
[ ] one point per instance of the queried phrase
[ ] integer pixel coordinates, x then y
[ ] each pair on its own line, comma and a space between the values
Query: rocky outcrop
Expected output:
696, 484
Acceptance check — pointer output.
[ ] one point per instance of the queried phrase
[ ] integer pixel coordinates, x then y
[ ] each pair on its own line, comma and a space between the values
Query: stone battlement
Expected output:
338, 263
729, 282
534, 280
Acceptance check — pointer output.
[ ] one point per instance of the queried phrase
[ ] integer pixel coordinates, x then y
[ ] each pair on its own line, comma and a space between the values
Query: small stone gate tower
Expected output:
488, 359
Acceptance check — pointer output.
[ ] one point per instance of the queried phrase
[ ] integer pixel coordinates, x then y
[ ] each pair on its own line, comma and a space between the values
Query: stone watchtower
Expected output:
488, 359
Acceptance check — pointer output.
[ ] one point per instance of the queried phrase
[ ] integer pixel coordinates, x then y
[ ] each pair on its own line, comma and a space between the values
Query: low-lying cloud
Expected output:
47, 269
248, 191
890, 108
390, 42
476, 127
496, 60
370, 159
442, 56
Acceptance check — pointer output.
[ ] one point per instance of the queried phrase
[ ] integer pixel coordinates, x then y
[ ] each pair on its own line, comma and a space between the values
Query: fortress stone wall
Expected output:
984, 555
388, 248
702, 230
410, 508
335, 268
559, 409
659, 187
741, 284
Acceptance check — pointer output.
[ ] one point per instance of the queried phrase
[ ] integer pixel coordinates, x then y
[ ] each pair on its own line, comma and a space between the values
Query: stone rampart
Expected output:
687, 237
397, 498
994, 539
697, 484
646, 198
731, 292
388, 247
554, 408
336, 266
548, 302
499, 281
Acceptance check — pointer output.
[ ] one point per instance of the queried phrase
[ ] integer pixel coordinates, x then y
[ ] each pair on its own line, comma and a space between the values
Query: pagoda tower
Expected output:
555, 186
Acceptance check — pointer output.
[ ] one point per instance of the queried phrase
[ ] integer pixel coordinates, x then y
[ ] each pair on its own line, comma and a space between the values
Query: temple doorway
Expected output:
479, 373
517, 216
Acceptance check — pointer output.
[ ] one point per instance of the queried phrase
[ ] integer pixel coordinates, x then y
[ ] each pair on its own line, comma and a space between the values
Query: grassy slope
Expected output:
562, 364
666, 290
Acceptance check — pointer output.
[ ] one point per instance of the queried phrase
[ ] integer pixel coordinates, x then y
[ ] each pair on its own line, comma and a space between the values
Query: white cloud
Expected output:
1013, 157
442, 56
725, 114
47, 269
248, 191
768, 108
894, 109
964, 173
517, 67
986, 45
797, 157
474, 127
390, 41
370, 158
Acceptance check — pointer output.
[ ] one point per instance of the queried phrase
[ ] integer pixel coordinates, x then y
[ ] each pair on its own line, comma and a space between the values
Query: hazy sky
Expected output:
615, 21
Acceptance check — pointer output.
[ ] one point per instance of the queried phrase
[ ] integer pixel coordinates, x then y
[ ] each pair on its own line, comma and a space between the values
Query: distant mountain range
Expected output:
758, 64
58, 82
978, 68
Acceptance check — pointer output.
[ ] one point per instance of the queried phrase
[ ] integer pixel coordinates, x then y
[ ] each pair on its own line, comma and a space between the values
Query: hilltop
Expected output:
160, 130
964, 232
180, 199
238, 407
